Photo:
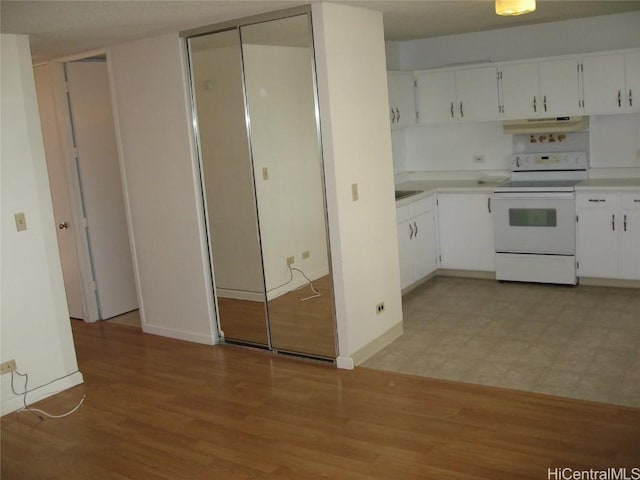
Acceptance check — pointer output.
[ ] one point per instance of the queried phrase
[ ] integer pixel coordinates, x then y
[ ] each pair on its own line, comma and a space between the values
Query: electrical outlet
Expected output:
478, 158
354, 191
306, 254
380, 308
8, 367
290, 261
265, 173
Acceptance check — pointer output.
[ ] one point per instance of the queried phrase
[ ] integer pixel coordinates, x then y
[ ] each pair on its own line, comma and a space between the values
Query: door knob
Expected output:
63, 226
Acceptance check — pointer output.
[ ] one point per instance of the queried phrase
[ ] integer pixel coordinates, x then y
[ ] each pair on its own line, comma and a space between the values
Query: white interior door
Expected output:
101, 187
59, 191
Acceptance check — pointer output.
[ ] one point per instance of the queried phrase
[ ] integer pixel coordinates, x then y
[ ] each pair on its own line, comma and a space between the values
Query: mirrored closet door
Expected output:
258, 136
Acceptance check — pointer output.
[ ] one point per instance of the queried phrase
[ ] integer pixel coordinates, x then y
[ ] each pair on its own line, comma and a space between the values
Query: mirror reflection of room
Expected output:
288, 171
216, 67
261, 162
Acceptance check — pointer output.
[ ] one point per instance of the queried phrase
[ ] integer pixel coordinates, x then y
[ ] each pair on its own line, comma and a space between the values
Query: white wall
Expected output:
609, 32
34, 319
161, 187
284, 139
352, 87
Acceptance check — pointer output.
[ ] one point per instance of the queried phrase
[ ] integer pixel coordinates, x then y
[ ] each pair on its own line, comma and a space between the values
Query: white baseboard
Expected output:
179, 334
377, 344
346, 363
16, 402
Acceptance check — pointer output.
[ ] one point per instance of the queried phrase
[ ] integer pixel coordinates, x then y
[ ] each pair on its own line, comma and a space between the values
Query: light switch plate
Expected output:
21, 222
354, 191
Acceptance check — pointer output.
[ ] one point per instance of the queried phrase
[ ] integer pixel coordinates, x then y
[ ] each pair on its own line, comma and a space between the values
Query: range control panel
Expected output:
534, 162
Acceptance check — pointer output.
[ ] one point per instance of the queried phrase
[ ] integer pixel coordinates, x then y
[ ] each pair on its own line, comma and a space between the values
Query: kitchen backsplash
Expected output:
470, 150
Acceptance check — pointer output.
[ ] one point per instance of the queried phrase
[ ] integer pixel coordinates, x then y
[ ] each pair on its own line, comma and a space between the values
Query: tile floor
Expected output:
581, 342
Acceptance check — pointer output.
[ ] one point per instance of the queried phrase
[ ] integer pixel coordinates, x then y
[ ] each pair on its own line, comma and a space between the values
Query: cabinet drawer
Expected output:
597, 199
403, 214
630, 201
422, 206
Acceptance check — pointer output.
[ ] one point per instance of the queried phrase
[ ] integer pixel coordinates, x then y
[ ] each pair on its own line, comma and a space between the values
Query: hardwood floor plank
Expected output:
158, 408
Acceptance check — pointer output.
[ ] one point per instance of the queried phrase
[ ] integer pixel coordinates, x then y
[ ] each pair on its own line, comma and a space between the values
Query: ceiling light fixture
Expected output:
515, 7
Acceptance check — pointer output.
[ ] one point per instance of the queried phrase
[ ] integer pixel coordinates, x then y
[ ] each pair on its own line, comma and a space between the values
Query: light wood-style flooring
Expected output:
158, 408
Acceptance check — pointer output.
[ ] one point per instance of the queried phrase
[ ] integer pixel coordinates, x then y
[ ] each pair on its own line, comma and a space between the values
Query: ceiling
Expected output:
59, 28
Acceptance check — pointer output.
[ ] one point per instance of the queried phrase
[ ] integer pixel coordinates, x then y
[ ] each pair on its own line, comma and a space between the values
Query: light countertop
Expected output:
609, 183
452, 186
429, 187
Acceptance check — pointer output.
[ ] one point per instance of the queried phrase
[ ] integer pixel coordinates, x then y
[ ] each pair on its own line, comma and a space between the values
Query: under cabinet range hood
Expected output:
546, 125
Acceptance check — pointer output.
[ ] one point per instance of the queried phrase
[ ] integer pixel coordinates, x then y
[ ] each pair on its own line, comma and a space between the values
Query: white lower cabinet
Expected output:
466, 233
608, 234
416, 240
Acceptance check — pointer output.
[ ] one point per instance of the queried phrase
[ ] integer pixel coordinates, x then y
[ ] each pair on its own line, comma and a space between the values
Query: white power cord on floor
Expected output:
36, 411
316, 293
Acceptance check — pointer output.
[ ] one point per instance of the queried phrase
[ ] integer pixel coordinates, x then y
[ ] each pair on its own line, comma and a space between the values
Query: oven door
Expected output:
540, 222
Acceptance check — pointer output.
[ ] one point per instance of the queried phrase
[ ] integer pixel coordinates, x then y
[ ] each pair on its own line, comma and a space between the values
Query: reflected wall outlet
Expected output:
306, 254
290, 261
380, 308
8, 367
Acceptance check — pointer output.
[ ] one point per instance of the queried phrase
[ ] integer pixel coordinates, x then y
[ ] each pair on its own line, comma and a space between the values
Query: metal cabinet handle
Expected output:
415, 225
613, 222
544, 102
619, 99
451, 109
461, 111
393, 116
489, 204
63, 226
630, 99
597, 200
636, 200
411, 232
535, 106
624, 221
398, 114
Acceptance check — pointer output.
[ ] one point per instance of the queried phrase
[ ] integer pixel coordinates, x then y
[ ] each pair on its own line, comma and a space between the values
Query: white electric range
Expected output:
535, 219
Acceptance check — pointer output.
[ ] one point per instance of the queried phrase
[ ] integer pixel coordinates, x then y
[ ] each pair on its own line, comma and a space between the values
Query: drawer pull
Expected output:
636, 200
613, 222
597, 200
625, 223
411, 231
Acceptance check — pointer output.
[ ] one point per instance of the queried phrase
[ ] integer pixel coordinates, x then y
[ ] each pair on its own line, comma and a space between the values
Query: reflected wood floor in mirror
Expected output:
304, 326
243, 320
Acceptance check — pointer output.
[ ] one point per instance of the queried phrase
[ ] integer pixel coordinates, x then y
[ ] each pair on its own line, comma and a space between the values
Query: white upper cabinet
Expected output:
402, 105
611, 82
545, 88
469, 94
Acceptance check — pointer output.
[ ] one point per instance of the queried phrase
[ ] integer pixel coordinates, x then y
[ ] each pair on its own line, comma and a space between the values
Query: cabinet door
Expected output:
632, 92
405, 241
465, 228
424, 245
597, 243
559, 87
402, 103
520, 90
435, 96
603, 79
477, 94
629, 236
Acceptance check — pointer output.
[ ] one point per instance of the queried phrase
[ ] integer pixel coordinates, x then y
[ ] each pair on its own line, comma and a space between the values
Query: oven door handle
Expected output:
533, 196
